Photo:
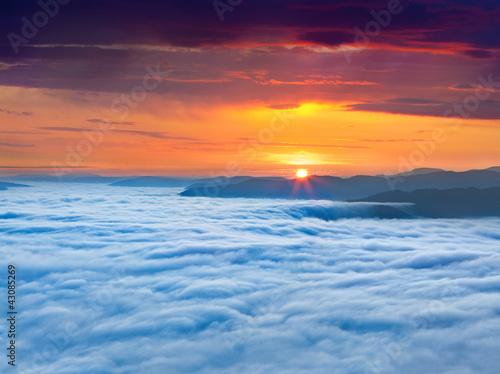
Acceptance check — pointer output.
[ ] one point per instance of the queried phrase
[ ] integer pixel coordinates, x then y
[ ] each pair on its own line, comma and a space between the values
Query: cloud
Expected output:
151, 134
312, 145
141, 279
16, 145
486, 109
48, 167
330, 38
413, 101
16, 113
314, 81
95, 120
464, 86
284, 106
478, 53
197, 24
257, 52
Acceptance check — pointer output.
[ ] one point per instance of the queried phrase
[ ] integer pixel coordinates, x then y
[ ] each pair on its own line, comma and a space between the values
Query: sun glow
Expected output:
301, 173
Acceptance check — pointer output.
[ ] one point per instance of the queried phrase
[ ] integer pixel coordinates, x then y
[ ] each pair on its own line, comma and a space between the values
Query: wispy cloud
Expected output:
16, 113
16, 145
95, 120
151, 134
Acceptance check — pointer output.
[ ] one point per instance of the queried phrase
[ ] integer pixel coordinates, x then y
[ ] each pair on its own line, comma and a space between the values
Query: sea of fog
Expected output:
140, 280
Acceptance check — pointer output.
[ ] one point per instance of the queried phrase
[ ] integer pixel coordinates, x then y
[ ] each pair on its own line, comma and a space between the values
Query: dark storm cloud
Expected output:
195, 23
104, 46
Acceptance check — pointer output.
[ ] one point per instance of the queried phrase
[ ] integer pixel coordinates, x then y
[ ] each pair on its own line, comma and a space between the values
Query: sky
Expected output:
178, 285
199, 88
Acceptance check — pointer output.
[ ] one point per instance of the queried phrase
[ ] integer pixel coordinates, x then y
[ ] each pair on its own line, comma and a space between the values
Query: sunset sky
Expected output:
196, 87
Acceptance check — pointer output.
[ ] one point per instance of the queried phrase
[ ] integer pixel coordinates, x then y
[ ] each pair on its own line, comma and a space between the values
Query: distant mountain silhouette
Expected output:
206, 183
92, 179
336, 188
447, 179
32, 178
170, 182
68, 178
451, 203
152, 182
10, 185
420, 171
314, 187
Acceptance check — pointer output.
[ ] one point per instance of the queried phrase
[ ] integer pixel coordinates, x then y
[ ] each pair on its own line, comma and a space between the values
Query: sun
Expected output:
301, 173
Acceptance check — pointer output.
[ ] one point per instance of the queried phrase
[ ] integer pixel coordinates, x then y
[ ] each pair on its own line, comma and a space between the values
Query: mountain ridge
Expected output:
339, 189
450, 203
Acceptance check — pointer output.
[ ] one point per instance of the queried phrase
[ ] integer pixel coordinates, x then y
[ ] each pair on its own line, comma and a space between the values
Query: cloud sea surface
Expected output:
140, 280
